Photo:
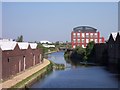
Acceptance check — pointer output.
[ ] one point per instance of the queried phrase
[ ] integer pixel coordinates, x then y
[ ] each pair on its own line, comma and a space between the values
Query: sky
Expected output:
54, 21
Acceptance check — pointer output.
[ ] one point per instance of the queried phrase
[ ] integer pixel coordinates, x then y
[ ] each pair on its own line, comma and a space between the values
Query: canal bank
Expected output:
27, 77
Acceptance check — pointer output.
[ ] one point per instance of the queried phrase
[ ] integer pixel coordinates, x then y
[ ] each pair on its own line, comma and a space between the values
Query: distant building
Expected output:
82, 35
5, 40
48, 46
45, 42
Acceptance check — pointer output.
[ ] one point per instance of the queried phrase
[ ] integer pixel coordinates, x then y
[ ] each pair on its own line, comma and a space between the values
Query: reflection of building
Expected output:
17, 57
81, 36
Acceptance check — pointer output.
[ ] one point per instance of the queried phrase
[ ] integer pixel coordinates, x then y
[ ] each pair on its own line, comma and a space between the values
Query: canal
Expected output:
76, 76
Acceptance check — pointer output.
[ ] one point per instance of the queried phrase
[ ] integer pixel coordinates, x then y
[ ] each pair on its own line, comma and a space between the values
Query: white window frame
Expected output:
87, 40
83, 35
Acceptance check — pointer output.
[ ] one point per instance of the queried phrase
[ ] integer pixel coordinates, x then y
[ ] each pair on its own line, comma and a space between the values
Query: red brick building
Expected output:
17, 57
81, 36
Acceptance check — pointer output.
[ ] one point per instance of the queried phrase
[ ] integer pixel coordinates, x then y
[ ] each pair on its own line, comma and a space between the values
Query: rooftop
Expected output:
10, 45
84, 29
114, 35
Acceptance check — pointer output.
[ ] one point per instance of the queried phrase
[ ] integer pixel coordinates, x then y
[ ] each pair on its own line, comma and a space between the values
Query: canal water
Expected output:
76, 76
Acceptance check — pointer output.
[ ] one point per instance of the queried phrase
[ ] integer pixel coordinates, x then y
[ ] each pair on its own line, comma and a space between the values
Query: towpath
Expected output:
24, 74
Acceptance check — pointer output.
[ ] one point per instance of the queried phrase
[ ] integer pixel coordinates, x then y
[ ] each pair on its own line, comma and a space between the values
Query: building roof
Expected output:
10, 45
5, 39
23, 45
7, 45
84, 29
48, 46
33, 45
114, 35
45, 41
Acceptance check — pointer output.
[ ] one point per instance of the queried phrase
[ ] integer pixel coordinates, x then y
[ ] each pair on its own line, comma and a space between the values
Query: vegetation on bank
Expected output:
38, 75
29, 80
81, 54
44, 49
57, 66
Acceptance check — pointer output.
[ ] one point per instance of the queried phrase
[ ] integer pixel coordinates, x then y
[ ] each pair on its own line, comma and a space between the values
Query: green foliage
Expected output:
20, 38
81, 54
80, 50
66, 55
89, 48
43, 48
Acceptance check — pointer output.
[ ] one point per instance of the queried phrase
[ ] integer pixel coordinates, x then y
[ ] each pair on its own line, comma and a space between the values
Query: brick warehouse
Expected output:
18, 56
82, 35
109, 53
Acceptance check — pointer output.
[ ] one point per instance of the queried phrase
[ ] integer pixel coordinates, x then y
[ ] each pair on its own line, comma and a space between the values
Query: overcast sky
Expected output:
55, 21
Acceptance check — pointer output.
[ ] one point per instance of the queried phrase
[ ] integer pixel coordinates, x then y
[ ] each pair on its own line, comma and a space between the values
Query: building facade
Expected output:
17, 57
81, 36
109, 53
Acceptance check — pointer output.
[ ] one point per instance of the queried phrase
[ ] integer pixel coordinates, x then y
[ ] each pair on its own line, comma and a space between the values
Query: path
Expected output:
23, 75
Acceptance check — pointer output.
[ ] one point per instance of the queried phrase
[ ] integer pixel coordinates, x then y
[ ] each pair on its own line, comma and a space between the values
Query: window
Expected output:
74, 40
91, 39
96, 41
73, 46
74, 36
95, 35
100, 40
91, 34
87, 40
74, 33
83, 35
83, 40
24, 63
87, 35
33, 59
8, 60
83, 46
78, 40
78, 34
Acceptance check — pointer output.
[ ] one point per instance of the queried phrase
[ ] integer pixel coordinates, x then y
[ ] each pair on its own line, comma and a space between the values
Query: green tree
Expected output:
20, 38
43, 48
78, 53
80, 50
89, 48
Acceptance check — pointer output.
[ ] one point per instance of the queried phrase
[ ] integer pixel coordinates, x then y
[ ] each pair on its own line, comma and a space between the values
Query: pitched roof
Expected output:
7, 45
114, 35
10, 45
33, 45
117, 38
23, 45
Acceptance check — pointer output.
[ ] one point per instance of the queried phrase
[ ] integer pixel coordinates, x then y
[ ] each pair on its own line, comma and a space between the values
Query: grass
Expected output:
35, 76
29, 79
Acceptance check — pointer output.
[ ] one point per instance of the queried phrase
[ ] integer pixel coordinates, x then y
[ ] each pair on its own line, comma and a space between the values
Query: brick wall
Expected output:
13, 60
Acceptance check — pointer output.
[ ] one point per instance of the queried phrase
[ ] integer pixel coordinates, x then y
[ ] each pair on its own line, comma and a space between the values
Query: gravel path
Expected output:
23, 75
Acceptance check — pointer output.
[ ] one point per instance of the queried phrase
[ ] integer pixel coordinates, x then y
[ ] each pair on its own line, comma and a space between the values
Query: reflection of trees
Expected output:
73, 62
